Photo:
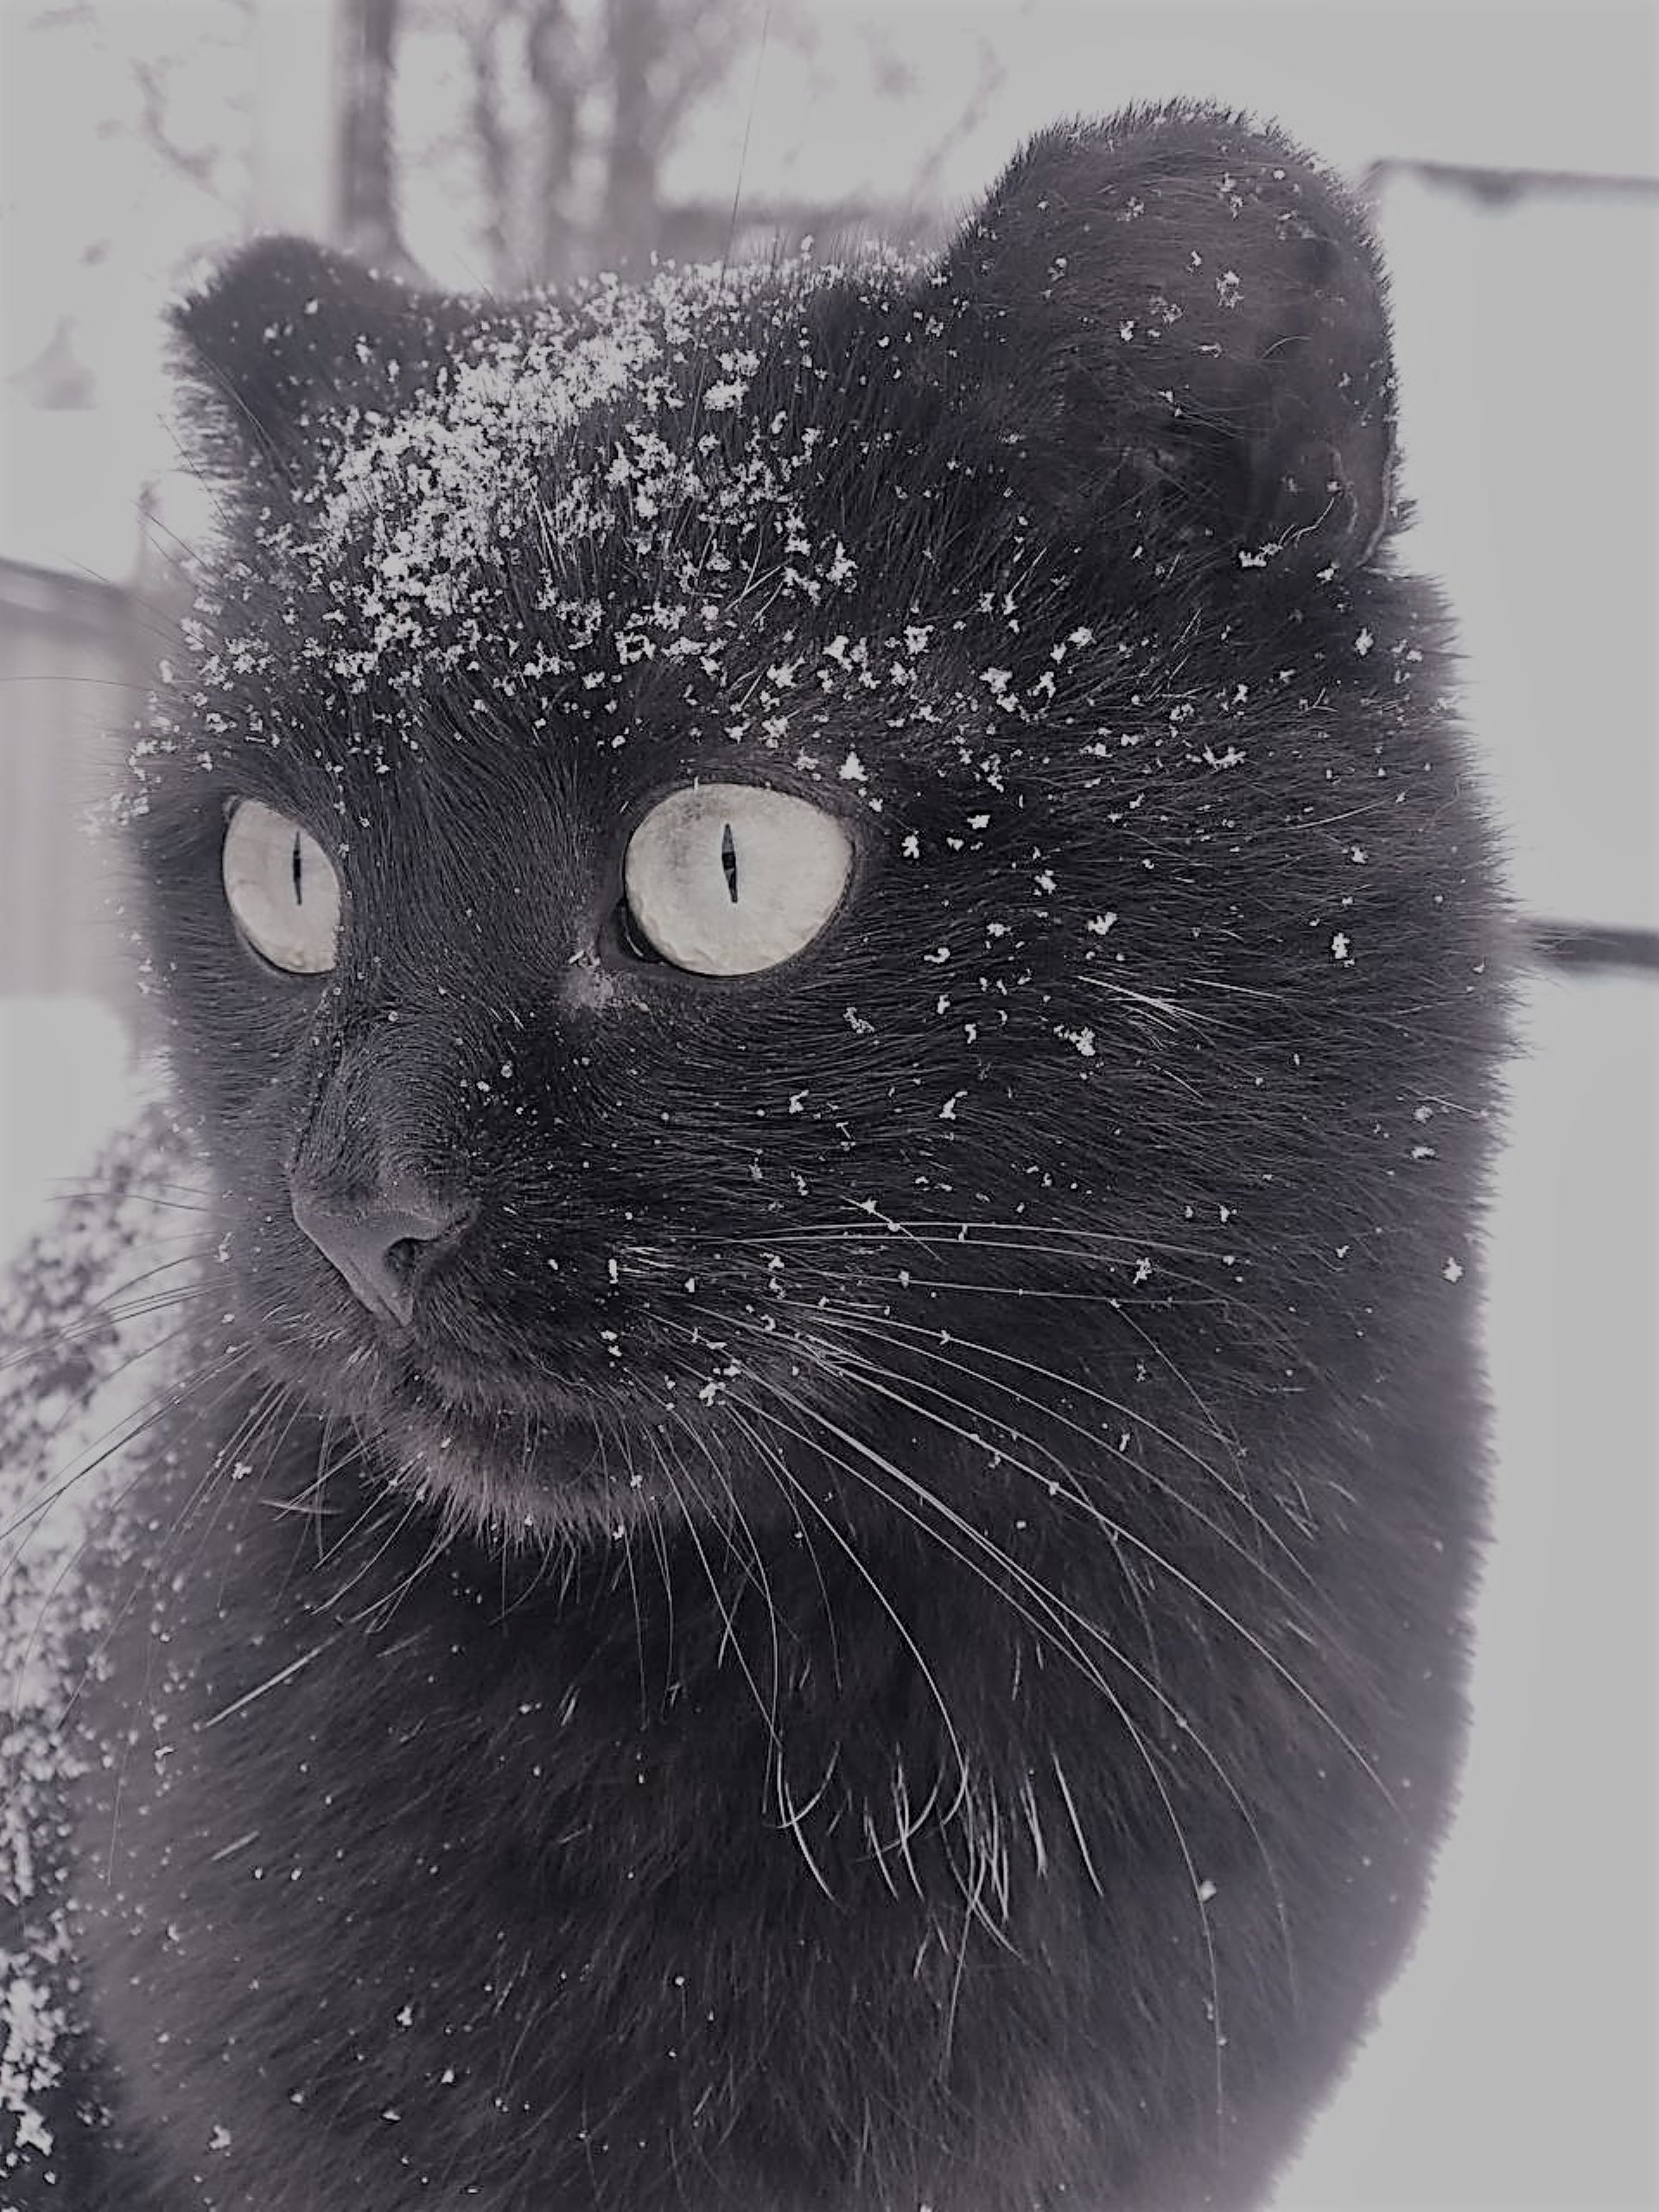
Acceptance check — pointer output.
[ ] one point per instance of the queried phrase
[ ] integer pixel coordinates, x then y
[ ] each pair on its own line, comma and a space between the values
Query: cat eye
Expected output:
282, 889
729, 878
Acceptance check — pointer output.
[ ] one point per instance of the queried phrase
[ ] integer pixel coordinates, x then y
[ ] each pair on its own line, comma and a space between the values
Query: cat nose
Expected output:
383, 1245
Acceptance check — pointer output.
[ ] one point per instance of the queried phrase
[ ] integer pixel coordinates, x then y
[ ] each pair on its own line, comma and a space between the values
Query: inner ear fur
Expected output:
1176, 323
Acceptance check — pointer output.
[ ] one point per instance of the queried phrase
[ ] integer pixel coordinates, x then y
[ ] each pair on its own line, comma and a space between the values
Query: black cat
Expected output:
834, 979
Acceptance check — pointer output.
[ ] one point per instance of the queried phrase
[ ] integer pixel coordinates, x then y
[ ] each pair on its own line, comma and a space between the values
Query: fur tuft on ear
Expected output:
288, 338
1179, 322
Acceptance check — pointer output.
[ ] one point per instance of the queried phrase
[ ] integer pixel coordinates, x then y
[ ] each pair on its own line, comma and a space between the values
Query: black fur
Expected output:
892, 1634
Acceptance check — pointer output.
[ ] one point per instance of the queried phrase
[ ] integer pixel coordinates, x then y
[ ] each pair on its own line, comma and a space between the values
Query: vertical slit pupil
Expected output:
299, 872
728, 861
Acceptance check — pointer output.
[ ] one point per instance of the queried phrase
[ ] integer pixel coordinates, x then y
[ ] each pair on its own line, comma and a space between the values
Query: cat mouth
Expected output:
448, 1416
583, 1467
577, 1442
439, 1386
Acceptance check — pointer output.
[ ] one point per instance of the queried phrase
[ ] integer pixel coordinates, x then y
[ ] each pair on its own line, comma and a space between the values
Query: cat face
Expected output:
716, 831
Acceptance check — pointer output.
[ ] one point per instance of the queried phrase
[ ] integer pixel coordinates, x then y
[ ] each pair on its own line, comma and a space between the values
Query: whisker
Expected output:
133, 1425
754, 1570
1193, 1588
285, 1673
181, 1396
730, 1636
1067, 1643
928, 1344
106, 1310
803, 1496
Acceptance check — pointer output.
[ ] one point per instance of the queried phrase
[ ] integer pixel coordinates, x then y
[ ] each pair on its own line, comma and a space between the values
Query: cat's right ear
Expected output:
288, 341
1172, 327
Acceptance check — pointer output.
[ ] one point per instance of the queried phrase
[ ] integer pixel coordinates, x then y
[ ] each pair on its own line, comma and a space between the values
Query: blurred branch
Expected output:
989, 82
663, 57
151, 119
705, 45
1499, 187
150, 78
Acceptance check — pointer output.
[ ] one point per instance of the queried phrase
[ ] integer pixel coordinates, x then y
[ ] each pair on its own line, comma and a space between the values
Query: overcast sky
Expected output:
1572, 85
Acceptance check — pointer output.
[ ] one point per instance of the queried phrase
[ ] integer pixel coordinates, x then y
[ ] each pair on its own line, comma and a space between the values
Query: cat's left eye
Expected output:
282, 889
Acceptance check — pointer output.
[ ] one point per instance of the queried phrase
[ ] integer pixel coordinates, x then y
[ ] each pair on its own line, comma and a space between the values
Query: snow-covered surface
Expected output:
1549, 546
65, 1069
70, 481
1515, 2064
88, 1389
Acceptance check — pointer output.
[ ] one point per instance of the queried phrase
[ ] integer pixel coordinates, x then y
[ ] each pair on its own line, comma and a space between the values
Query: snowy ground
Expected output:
1517, 2062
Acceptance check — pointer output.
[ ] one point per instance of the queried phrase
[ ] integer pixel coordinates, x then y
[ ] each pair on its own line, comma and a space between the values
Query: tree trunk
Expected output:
497, 150
631, 214
554, 62
368, 214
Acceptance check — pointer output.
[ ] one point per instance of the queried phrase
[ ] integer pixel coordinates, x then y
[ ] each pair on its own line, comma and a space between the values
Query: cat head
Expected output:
718, 836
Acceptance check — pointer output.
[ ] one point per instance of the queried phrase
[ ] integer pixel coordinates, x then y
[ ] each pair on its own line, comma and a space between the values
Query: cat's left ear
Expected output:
1175, 325
289, 339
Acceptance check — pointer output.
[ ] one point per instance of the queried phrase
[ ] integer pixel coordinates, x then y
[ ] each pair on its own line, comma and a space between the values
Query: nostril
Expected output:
404, 1256
417, 1217
383, 1247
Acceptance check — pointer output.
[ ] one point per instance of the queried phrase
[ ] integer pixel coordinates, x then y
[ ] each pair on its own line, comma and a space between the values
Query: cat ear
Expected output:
1177, 323
288, 340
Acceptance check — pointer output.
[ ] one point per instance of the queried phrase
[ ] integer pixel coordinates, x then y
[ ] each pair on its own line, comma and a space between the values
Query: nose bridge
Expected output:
376, 1120
371, 1183
494, 890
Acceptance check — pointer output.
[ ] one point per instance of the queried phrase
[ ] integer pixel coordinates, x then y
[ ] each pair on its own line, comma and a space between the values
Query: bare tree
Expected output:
547, 125
558, 71
497, 152
636, 36
664, 57
368, 223
572, 108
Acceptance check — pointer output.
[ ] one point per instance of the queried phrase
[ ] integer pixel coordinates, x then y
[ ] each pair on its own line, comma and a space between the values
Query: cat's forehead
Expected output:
623, 517
647, 450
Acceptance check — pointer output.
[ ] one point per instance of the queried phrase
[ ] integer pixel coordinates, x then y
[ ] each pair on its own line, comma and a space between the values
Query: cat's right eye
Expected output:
731, 879
282, 889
